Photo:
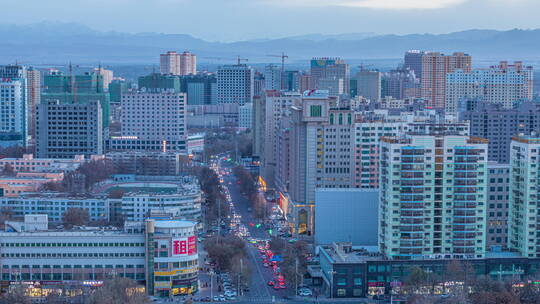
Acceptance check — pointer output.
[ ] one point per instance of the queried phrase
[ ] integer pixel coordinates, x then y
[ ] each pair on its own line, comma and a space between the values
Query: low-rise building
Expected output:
161, 254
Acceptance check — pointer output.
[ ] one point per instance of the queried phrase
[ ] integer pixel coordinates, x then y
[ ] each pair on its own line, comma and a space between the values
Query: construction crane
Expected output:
283, 56
239, 59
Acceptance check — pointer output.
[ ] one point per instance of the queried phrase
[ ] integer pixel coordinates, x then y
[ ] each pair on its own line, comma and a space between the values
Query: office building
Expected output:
117, 87
235, 84
368, 84
157, 83
524, 192
201, 89
147, 163
433, 197
64, 130
77, 89
413, 62
435, 67
329, 68
28, 163
348, 271
333, 85
245, 115
13, 111
498, 205
291, 81
338, 212
400, 84
158, 253
499, 125
152, 122
270, 112
272, 77
504, 84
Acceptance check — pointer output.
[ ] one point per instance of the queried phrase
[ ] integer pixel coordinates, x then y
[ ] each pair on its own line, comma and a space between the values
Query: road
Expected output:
260, 275
260, 292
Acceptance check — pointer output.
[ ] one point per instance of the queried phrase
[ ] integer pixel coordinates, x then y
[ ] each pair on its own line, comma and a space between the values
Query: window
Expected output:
357, 281
341, 281
341, 292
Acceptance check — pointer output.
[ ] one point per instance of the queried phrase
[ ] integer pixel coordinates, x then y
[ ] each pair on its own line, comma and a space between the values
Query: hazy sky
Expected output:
228, 20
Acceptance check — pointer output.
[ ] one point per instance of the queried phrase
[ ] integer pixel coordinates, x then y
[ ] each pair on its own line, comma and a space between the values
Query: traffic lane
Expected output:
241, 204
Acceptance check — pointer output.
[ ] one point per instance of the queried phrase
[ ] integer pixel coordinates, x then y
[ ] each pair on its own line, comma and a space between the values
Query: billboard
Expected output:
184, 246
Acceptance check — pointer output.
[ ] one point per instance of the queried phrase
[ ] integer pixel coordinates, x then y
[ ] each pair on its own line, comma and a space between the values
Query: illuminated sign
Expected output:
184, 246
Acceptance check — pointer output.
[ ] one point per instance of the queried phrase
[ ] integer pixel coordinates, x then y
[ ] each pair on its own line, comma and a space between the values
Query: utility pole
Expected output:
296, 275
212, 285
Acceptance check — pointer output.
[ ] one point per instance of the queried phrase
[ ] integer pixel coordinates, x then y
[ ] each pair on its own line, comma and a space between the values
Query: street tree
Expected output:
75, 217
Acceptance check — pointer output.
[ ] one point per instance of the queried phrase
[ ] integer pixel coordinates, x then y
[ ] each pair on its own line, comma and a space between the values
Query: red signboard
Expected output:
184, 246
192, 245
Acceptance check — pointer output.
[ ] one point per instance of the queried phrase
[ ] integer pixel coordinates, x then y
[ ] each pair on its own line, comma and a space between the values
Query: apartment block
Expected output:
433, 197
523, 220
504, 84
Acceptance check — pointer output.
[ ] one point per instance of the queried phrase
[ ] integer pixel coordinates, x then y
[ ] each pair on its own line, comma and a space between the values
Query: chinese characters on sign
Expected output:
184, 246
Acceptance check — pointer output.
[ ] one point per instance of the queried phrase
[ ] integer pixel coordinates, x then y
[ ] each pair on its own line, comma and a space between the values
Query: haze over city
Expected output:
234, 20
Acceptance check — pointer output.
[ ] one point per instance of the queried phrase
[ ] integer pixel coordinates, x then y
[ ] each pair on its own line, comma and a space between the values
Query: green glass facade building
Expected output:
77, 89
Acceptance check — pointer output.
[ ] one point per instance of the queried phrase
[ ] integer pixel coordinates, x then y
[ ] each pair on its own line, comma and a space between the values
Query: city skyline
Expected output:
298, 17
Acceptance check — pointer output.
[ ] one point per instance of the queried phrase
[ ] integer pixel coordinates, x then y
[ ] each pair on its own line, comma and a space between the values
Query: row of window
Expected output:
74, 255
72, 244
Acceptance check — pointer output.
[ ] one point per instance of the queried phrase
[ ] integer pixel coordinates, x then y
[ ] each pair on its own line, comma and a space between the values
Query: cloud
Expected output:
375, 4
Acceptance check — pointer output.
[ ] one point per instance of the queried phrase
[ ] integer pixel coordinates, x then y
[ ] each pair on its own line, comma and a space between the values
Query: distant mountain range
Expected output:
58, 43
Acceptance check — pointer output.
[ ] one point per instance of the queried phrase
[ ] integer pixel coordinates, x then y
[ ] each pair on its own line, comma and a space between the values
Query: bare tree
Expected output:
75, 217
8, 170
16, 295
118, 291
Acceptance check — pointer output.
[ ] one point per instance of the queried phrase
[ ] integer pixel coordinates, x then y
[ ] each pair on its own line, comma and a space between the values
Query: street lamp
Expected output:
211, 285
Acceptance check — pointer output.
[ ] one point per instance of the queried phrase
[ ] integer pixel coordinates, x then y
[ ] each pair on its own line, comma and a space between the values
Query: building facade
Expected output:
435, 67
504, 84
235, 84
174, 63
368, 84
65, 130
329, 68
433, 197
498, 206
499, 125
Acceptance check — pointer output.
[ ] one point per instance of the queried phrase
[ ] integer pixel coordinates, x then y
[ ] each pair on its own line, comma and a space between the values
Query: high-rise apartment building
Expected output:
34, 97
188, 63
272, 77
499, 125
107, 75
435, 67
433, 197
64, 130
235, 84
504, 84
368, 84
329, 69
178, 64
523, 220
498, 206
152, 122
